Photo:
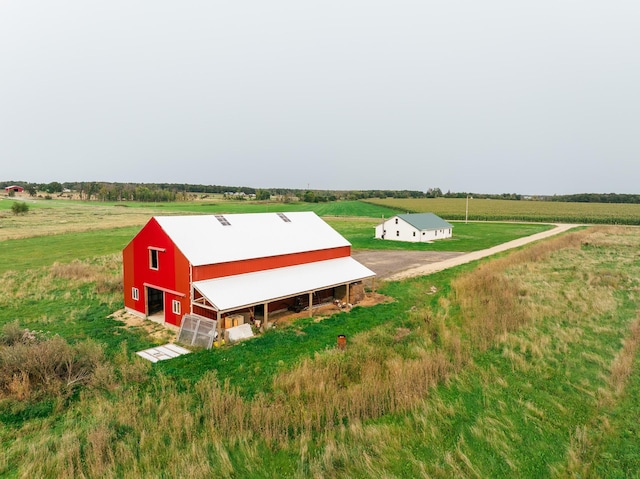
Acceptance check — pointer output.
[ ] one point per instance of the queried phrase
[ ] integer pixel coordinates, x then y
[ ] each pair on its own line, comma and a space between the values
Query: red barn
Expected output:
15, 188
251, 264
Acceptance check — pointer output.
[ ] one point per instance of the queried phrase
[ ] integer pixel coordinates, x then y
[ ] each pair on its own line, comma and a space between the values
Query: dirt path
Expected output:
468, 257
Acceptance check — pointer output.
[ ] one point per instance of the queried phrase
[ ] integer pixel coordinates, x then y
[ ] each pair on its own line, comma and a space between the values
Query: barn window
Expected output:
414, 233
175, 306
397, 233
153, 259
135, 294
396, 220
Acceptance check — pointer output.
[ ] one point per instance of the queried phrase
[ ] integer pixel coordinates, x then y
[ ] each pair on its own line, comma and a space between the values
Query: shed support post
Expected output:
348, 295
265, 324
310, 304
219, 328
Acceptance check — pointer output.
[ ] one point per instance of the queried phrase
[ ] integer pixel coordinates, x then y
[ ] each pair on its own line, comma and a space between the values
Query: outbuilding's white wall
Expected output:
403, 231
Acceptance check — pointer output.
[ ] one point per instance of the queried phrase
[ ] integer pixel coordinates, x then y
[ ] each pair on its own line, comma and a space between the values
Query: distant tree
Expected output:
434, 193
92, 190
263, 195
310, 197
19, 208
104, 193
53, 187
32, 190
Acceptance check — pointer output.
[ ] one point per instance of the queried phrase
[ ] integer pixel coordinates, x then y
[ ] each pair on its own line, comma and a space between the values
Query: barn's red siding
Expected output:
220, 270
129, 280
172, 273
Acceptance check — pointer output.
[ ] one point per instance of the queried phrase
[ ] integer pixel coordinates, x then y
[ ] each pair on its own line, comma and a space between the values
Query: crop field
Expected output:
522, 365
524, 210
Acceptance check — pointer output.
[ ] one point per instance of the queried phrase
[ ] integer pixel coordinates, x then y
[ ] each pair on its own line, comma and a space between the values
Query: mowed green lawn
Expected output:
466, 237
39, 251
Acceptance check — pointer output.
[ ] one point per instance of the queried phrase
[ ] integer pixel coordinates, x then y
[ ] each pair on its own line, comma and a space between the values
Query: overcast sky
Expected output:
492, 96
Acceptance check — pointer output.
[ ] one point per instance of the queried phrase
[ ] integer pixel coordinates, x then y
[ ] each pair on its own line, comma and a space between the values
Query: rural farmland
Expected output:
523, 364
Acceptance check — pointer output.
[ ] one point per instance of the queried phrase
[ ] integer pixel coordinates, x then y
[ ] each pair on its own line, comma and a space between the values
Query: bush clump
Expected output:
32, 367
19, 208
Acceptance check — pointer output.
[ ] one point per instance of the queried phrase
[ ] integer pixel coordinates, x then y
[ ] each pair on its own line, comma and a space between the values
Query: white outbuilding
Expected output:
416, 228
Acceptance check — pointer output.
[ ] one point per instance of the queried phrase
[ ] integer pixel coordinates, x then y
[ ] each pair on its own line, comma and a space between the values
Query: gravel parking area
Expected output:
388, 263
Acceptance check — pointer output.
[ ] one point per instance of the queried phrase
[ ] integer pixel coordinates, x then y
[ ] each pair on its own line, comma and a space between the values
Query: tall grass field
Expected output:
520, 365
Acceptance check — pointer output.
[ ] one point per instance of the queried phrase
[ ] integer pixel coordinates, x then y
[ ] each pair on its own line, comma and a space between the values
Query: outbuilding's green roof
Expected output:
425, 221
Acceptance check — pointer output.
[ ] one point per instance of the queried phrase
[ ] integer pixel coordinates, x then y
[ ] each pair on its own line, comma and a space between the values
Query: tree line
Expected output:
597, 198
168, 192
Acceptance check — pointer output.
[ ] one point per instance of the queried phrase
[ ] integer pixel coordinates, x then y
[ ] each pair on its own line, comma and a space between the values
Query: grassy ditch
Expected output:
513, 368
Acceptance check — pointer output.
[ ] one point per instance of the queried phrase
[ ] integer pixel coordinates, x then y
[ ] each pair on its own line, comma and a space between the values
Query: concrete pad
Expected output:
161, 353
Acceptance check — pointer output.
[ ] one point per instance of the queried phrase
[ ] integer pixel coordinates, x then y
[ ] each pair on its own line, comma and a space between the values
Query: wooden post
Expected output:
348, 295
310, 304
219, 328
265, 323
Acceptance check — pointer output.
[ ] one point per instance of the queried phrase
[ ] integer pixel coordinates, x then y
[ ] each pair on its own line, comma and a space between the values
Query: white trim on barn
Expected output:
415, 228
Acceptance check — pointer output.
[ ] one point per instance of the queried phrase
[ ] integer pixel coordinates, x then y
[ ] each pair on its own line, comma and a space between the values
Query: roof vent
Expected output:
223, 221
284, 218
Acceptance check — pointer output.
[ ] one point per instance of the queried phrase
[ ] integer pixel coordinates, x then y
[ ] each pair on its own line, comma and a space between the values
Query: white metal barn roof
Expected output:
210, 239
235, 292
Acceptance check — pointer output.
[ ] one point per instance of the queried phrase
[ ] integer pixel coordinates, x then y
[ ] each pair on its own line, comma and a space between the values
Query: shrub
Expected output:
12, 334
19, 208
32, 368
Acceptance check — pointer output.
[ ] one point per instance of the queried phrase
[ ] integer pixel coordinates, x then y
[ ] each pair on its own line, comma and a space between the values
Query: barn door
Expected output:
155, 301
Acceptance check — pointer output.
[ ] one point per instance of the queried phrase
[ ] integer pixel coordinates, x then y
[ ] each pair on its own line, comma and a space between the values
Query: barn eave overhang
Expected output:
251, 289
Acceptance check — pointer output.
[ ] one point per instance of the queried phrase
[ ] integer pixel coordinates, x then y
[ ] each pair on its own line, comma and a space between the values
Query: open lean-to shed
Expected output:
223, 266
415, 227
